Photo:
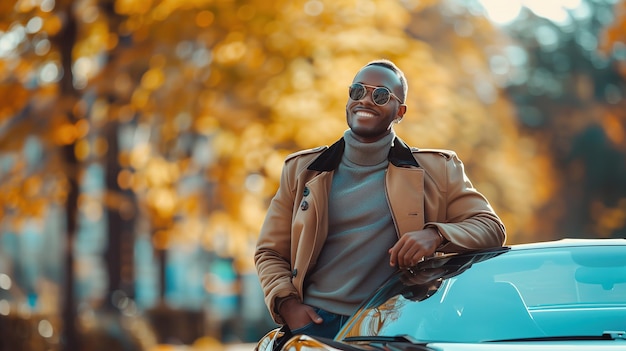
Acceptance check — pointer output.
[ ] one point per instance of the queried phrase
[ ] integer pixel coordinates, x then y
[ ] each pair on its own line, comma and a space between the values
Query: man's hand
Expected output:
297, 315
413, 247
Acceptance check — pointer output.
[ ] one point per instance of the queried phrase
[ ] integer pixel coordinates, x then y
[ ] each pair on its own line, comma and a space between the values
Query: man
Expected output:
346, 216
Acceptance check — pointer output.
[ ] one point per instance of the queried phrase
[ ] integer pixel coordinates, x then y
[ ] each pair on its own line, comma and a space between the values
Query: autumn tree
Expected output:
569, 98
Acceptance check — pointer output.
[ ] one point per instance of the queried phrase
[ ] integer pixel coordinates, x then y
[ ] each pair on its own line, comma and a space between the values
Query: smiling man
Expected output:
346, 216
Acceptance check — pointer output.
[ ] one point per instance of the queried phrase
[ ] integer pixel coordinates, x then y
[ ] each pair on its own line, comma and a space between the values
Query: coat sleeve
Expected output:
468, 221
273, 249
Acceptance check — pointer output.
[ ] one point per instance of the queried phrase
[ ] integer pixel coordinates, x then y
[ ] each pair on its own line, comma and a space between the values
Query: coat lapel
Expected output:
406, 197
404, 176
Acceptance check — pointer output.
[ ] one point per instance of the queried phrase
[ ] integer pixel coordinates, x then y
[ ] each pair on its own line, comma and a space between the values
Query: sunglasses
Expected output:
380, 95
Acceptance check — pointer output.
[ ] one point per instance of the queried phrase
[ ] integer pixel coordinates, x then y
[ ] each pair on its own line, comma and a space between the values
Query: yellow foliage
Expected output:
53, 25
132, 7
82, 149
152, 79
261, 79
65, 134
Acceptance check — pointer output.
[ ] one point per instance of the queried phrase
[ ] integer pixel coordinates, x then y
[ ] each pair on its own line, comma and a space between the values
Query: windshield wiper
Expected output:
376, 338
389, 340
607, 335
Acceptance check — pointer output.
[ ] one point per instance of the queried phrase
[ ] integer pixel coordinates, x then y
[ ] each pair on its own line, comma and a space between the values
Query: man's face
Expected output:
368, 121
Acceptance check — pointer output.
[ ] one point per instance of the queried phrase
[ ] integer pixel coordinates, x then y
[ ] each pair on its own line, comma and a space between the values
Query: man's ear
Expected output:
401, 112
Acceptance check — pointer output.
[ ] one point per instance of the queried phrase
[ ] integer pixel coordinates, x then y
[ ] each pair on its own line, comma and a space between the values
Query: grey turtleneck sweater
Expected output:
354, 260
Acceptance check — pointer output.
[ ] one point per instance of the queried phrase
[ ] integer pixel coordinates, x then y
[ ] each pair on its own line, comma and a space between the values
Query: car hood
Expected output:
577, 345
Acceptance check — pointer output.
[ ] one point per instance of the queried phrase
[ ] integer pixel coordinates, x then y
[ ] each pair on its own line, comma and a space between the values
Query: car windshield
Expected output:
528, 293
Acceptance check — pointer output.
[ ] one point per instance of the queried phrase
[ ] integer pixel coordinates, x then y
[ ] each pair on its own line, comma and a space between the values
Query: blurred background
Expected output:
141, 141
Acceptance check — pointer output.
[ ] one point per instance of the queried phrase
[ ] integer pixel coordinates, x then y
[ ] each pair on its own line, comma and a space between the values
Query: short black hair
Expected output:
392, 66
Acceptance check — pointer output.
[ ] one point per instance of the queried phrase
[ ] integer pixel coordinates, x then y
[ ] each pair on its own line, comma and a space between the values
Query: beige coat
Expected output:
424, 188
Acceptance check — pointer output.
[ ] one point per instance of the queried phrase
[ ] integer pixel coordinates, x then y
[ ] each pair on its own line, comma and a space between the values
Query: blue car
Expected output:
561, 295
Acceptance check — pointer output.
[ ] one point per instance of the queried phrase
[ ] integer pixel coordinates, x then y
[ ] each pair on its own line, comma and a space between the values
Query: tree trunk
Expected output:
119, 254
65, 40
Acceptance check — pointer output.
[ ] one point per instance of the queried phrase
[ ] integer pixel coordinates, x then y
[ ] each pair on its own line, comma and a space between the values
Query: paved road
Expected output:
230, 347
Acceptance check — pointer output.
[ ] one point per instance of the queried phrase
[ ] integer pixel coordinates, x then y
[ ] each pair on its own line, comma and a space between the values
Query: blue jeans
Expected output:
327, 329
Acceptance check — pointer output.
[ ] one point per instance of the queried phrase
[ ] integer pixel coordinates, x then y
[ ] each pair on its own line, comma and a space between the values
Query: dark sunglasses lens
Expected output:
380, 96
357, 92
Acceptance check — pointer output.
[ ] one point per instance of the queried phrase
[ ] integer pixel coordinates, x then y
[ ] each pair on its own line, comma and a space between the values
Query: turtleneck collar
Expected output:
367, 154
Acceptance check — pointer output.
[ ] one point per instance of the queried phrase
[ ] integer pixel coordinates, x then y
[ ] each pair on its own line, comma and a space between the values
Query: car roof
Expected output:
568, 242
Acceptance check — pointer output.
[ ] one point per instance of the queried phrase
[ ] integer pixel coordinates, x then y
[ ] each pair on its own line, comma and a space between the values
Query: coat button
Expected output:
304, 205
306, 191
294, 273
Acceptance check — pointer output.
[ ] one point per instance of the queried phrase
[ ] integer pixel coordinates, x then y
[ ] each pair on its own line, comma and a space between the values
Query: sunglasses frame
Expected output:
374, 88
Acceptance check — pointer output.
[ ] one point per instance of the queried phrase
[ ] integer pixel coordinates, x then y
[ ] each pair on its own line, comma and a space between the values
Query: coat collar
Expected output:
400, 155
